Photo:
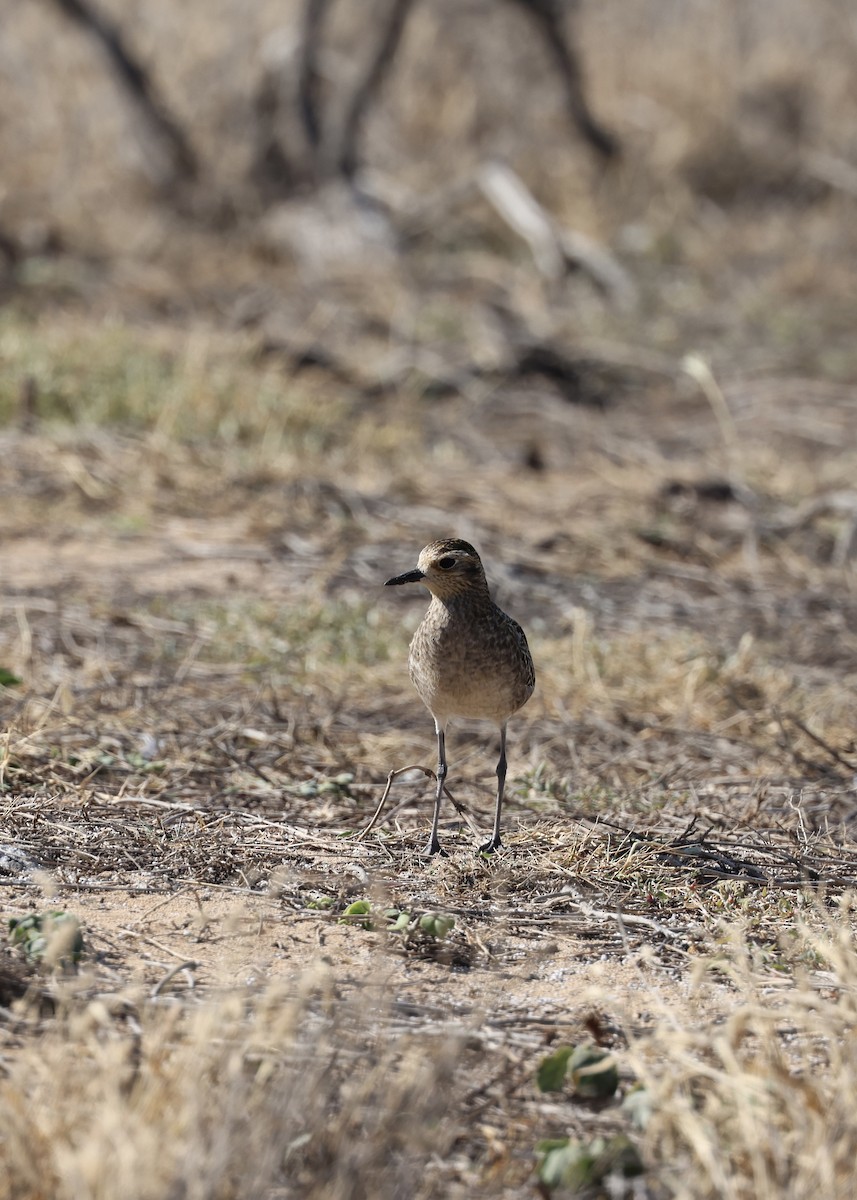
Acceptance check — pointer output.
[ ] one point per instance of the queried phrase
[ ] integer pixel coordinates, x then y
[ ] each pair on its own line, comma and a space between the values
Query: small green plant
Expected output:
593, 1071
432, 925
358, 913
578, 1166
53, 937
551, 1073
399, 920
436, 925
637, 1105
337, 785
9, 678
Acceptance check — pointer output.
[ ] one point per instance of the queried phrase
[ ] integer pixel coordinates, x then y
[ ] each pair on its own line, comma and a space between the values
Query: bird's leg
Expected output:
494, 842
433, 846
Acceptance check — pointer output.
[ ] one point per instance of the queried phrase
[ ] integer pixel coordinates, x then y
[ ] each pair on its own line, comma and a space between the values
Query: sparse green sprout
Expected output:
550, 1075
53, 937
323, 903
141, 763
577, 1166
399, 921
338, 784
9, 678
638, 1105
436, 924
593, 1071
357, 914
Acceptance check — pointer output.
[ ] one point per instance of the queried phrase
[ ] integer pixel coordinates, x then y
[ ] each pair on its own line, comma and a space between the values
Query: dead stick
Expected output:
429, 774
188, 966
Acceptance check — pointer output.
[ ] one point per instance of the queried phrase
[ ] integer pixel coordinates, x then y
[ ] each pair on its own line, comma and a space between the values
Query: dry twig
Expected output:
429, 774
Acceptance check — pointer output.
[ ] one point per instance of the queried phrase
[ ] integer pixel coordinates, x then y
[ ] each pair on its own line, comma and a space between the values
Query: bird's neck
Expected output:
468, 600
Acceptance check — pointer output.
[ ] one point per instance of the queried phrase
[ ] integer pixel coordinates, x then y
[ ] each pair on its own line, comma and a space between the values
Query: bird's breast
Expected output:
470, 665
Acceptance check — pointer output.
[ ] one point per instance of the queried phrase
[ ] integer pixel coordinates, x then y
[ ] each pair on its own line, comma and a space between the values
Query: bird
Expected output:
468, 658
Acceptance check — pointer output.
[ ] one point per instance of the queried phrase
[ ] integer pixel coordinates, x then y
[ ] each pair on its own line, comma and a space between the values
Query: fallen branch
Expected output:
188, 967
819, 741
555, 251
843, 503
837, 173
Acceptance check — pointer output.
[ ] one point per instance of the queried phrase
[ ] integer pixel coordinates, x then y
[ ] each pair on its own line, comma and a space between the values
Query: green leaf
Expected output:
619, 1156
547, 1144
54, 936
550, 1075
594, 1072
436, 924
9, 678
338, 784
638, 1105
581, 1165
568, 1165
357, 914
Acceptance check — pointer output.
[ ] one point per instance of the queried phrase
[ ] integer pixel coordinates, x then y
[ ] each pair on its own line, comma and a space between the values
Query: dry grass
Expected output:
283, 1093
214, 689
326, 1085
760, 1106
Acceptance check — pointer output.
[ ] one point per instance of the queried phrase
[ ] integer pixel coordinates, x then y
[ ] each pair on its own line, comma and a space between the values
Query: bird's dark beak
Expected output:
408, 577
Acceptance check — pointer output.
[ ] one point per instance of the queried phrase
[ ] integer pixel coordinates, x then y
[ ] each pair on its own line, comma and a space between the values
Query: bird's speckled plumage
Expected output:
468, 658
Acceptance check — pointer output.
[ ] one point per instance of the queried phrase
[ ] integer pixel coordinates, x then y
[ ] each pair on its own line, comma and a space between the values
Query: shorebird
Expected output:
467, 658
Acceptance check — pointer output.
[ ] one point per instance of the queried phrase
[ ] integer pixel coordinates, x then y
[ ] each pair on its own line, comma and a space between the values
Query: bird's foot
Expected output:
433, 847
491, 845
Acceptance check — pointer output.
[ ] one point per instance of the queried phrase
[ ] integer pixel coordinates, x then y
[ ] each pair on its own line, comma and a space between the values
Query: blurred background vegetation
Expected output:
727, 210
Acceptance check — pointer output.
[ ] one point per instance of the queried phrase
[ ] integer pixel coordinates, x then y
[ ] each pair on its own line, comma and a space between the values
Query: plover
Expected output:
467, 658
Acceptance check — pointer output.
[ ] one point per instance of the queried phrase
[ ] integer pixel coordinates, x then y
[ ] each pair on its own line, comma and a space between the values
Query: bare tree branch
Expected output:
548, 16
379, 66
134, 78
315, 12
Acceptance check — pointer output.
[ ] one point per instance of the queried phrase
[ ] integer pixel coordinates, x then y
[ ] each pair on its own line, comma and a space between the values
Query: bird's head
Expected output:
447, 568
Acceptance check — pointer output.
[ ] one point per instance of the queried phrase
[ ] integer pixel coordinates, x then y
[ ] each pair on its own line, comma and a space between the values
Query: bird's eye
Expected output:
446, 563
